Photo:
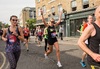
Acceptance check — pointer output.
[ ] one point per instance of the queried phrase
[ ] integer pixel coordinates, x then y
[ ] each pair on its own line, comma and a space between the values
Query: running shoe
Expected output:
46, 57
83, 64
59, 64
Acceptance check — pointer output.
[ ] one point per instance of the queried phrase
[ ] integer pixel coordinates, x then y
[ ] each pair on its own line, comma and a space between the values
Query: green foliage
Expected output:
31, 23
6, 25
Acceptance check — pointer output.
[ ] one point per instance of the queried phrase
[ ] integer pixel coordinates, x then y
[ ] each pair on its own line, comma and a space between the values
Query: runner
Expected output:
61, 30
45, 38
52, 40
12, 36
36, 30
92, 33
1, 32
39, 35
26, 36
90, 21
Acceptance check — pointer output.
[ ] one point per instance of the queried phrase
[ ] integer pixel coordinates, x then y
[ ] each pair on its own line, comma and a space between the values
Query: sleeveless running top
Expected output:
13, 43
94, 45
26, 32
51, 32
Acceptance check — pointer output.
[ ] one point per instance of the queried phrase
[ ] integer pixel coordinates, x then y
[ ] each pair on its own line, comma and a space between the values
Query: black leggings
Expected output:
13, 58
45, 44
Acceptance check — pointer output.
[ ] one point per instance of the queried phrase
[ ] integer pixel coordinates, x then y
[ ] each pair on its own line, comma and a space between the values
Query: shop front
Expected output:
74, 20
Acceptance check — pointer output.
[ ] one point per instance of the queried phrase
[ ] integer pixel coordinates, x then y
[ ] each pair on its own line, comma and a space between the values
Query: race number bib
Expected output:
12, 39
53, 34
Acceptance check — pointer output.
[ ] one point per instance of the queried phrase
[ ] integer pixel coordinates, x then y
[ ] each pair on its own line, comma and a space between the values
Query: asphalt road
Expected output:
34, 59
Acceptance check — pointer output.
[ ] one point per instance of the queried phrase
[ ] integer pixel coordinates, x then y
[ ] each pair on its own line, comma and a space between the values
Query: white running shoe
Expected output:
45, 55
59, 64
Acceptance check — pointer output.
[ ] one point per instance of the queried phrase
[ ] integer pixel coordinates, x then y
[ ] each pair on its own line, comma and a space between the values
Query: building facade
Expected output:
74, 12
26, 14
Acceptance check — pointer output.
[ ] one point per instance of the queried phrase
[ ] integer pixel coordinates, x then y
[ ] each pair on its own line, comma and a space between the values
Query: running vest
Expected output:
51, 32
26, 32
13, 43
46, 35
94, 45
39, 32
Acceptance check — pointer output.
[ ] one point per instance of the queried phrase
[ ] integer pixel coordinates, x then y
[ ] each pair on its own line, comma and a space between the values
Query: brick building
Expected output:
26, 14
75, 12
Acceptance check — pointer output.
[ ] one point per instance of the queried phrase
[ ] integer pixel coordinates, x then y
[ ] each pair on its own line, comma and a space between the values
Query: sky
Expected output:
13, 7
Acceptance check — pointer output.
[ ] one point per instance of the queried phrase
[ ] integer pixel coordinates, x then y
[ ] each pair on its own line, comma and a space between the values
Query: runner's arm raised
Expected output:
59, 21
43, 20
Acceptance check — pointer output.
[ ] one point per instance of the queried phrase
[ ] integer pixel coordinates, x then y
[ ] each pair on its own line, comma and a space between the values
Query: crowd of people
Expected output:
89, 39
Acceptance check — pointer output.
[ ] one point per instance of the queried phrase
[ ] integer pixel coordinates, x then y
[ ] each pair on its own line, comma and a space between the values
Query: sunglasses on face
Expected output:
14, 20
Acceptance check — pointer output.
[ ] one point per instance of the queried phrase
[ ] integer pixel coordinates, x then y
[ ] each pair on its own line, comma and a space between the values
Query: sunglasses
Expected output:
14, 20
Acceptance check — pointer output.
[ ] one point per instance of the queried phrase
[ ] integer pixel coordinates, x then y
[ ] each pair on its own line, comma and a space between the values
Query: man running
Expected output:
92, 33
90, 21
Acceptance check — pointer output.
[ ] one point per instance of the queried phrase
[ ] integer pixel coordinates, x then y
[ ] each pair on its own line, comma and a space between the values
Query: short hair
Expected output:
13, 16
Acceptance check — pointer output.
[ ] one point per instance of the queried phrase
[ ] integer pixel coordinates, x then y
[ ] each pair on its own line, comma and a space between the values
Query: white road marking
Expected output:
3, 60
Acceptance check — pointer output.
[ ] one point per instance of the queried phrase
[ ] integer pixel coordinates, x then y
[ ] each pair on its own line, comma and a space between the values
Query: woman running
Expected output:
12, 36
52, 40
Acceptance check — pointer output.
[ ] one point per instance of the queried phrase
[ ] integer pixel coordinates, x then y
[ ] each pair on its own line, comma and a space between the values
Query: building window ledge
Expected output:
51, 1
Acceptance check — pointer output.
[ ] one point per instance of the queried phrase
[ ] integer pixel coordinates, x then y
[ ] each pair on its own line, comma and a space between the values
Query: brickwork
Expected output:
66, 4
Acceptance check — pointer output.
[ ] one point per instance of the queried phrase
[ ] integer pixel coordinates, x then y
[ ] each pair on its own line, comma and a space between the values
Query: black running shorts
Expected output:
51, 41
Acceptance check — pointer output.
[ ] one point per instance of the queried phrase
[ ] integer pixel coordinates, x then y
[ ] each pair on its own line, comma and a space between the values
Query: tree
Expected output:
6, 25
31, 23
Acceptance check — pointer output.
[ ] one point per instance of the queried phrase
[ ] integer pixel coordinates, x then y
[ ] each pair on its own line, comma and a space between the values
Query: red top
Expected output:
84, 26
26, 32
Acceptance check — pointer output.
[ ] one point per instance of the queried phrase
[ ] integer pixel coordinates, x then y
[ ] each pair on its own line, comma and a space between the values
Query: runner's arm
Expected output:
4, 34
43, 20
81, 42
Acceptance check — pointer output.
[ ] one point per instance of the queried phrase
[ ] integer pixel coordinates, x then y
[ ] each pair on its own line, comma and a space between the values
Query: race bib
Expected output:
12, 39
53, 34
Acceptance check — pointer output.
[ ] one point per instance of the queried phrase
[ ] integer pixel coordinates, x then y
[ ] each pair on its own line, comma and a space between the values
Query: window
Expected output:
44, 9
39, 13
52, 9
73, 4
60, 8
30, 13
38, 0
85, 4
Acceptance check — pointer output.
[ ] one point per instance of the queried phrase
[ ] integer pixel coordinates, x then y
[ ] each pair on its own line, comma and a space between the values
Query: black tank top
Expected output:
51, 32
94, 45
